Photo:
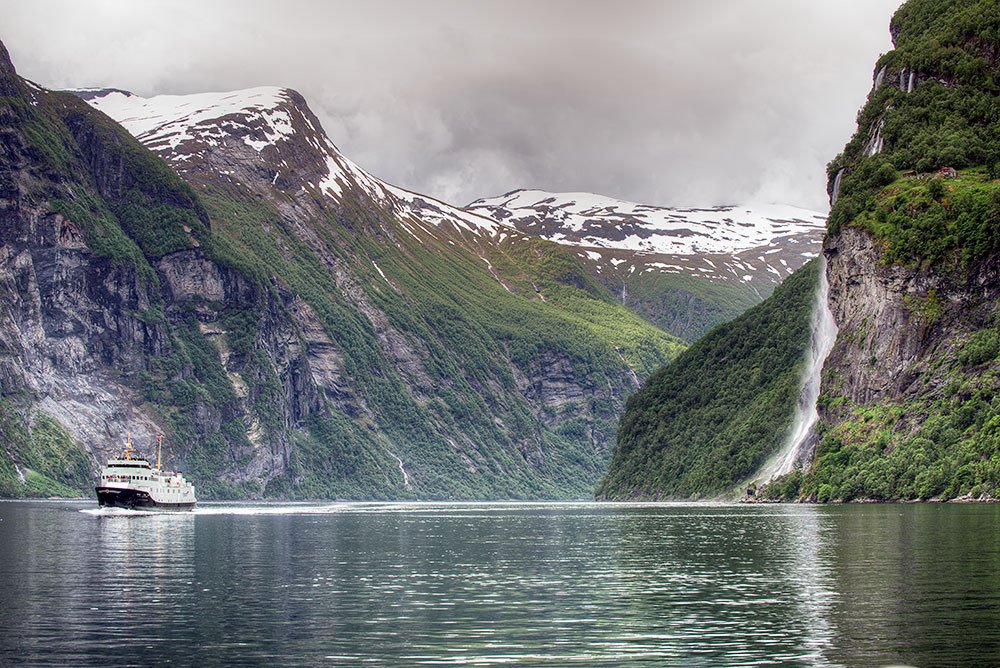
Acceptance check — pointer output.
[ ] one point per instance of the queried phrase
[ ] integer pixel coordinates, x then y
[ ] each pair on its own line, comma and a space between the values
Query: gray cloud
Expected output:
668, 102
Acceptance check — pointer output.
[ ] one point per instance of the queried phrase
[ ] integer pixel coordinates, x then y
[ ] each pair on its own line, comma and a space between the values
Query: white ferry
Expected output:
129, 482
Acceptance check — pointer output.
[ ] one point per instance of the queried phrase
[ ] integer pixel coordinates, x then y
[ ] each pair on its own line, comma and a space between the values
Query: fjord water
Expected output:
480, 584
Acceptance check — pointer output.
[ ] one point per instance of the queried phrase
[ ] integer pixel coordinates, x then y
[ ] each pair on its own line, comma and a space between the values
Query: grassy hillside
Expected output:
709, 420
474, 336
688, 305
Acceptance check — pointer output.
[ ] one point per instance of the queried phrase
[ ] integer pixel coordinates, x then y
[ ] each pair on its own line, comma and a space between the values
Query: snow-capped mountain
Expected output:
743, 243
280, 134
686, 269
757, 245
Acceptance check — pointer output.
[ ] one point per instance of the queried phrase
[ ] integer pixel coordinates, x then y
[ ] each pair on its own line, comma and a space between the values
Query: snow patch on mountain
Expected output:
169, 120
585, 219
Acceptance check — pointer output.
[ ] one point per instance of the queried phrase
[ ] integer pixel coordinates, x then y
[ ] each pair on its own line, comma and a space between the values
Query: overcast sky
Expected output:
674, 102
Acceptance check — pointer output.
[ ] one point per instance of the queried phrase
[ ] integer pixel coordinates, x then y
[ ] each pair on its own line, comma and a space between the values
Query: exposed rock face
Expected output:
67, 327
84, 335
78, 329
895, 322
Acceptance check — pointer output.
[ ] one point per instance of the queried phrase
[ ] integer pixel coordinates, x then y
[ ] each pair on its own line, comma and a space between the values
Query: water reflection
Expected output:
727, 586
477, 584
809, 573
918, 585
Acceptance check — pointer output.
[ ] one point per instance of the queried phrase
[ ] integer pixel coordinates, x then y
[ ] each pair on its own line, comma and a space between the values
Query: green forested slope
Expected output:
709, 420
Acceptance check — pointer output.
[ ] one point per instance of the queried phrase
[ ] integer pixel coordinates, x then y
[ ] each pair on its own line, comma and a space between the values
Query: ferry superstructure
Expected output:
130, 482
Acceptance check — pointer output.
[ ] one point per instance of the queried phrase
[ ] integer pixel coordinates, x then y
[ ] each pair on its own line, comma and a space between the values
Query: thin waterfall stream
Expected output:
823, 333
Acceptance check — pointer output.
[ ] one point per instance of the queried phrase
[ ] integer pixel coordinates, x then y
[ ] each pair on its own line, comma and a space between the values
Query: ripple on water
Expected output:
481, 584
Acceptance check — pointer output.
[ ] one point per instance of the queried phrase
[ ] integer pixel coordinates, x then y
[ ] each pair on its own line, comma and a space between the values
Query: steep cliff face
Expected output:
296, 327
898, 322
909, 404
112, 281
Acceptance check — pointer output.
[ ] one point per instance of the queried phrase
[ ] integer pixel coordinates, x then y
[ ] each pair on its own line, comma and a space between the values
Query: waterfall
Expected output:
836, 187
902, 80
875, 141
909, 86
823, 333
879, 78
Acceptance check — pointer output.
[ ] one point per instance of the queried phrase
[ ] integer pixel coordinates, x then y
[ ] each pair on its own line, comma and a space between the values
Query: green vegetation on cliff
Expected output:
949, 224
938, 107
710, 419
42, 459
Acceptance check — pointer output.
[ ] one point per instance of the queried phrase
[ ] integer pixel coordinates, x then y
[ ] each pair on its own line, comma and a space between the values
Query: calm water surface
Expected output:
483, 584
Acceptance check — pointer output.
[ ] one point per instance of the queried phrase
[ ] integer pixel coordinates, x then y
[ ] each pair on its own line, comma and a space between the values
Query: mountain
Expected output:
685, 269
908, 404
713, 417
295, 326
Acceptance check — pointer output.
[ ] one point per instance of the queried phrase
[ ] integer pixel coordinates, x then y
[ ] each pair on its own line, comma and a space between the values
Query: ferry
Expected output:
130, 482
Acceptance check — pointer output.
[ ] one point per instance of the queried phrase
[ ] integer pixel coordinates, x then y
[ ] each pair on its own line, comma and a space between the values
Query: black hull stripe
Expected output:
117, 497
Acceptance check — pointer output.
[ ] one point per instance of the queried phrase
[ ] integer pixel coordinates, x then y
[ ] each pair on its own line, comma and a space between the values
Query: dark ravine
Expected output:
290, 343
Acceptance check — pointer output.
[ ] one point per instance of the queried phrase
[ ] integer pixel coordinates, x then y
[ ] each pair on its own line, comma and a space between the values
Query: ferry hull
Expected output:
118, 497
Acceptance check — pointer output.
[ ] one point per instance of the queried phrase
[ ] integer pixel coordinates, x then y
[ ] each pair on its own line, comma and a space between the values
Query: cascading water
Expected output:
836, 187
875, 141
879, 78
823, 333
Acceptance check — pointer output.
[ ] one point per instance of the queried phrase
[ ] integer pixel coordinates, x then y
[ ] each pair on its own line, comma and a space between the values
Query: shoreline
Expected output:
514, 502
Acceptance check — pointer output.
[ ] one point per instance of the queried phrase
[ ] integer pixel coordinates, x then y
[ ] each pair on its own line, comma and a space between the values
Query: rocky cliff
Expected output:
111, 279
296, 327
908, 405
